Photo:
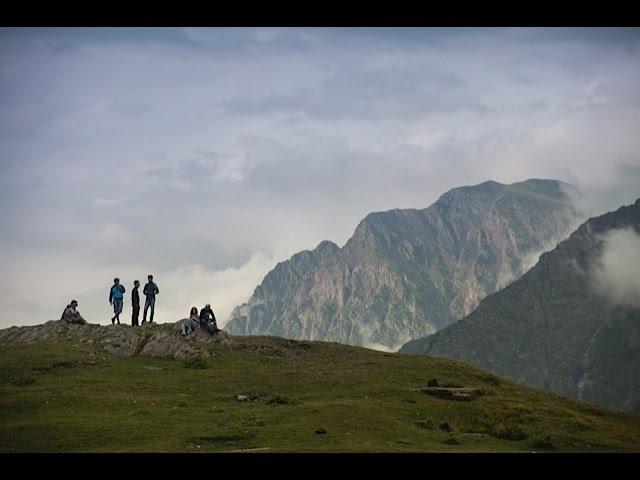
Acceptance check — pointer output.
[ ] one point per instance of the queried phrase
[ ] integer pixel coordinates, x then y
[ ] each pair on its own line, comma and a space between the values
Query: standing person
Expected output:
116, 298
208, 320
150, 290
135, 303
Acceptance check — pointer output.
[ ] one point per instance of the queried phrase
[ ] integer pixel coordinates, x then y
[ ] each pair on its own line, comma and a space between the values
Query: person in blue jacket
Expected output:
116, 298
150, 291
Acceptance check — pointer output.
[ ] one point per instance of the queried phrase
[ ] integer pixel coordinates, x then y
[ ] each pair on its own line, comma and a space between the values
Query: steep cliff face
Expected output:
408, 273
559, 327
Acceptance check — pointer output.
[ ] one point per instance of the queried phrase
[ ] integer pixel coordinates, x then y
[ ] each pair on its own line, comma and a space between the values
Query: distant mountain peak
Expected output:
409, 272
327, 246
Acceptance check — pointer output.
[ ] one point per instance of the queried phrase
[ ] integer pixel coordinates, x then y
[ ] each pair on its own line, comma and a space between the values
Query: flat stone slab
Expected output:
453, 393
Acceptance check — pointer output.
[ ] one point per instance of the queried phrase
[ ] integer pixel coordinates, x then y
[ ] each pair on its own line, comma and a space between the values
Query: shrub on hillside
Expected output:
508, 432
195, 362
426, 423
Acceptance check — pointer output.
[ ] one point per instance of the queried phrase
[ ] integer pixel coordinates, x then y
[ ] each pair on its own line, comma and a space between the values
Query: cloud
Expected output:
191, 151
194, 285
110, 201
530, 259
367, 333
617, 274
378, 346
619, 185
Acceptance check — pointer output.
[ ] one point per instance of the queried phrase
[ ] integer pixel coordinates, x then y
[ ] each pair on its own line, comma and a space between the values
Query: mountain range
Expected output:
571, 324
407, 273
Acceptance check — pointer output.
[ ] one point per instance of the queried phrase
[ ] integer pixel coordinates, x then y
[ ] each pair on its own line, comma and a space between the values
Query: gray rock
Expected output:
152, 340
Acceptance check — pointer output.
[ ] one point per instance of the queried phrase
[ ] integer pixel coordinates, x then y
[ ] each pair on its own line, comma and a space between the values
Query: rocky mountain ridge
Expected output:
552, 328
406, 273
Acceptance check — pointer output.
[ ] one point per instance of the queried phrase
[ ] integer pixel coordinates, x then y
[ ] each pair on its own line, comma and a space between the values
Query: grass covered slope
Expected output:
70, 395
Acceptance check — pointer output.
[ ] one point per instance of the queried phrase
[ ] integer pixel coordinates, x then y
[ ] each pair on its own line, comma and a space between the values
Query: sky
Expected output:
207, 156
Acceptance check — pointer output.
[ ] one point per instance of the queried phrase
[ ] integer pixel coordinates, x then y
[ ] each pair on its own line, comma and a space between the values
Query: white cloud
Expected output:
617, 274
194, 285
106, 201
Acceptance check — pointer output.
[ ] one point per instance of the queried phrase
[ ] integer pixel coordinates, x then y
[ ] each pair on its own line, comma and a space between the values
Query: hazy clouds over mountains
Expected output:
205, 156
616, 273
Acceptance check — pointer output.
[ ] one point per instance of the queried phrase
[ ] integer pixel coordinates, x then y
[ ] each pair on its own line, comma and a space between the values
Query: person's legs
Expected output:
153, 305
188, 326
134, 316
117, 308
146, 307
208, 327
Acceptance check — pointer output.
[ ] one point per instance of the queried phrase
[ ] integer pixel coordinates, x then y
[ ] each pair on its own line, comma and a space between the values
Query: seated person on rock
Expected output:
71, 315
191, 323
208, 320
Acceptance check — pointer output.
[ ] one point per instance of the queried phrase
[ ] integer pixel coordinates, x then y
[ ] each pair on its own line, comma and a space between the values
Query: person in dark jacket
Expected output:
150, 291
116, 298
208, 320
135, 303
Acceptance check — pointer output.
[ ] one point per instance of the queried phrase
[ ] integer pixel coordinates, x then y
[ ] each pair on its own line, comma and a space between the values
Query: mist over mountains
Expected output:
407, 273
571, 324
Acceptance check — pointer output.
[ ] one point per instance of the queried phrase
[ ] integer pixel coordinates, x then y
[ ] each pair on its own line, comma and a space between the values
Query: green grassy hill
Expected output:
70, 395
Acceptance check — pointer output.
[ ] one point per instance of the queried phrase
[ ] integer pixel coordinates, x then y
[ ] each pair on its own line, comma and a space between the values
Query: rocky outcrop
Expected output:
154, 340
408, 273
553, 328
